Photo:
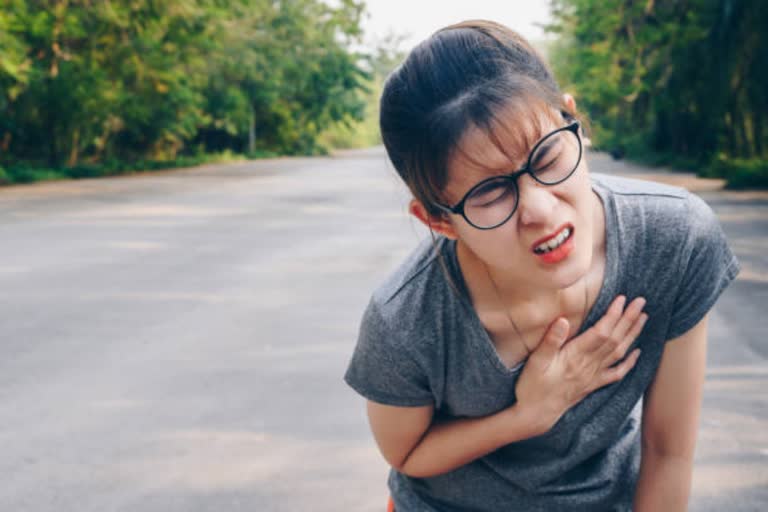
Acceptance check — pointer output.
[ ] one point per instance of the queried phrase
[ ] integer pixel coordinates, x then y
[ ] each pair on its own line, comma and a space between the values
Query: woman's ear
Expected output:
438, 224
570, 102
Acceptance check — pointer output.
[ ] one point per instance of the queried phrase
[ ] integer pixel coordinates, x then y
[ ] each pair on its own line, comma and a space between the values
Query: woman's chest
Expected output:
514, 334
474, 380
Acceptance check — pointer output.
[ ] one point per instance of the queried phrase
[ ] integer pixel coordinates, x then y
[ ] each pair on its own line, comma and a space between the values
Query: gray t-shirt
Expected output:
420, 343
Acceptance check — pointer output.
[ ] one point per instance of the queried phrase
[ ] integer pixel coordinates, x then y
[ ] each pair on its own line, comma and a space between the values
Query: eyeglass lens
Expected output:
553, 161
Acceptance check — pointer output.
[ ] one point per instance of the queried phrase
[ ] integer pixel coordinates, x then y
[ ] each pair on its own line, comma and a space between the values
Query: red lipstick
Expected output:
561, 252
553, 235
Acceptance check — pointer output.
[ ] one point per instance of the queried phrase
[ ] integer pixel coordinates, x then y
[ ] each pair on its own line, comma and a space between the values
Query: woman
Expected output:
505, 360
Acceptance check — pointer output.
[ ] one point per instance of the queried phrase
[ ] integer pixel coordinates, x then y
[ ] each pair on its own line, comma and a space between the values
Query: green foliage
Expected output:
387, 54
31, 174
25, 173
294, 74
741, 173
358, 133
682, 80
86, 84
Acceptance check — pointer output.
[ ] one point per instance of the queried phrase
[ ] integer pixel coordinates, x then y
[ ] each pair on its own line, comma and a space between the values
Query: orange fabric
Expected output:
390, 505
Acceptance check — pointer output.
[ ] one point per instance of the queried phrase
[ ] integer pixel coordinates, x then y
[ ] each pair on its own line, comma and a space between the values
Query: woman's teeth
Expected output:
553, 243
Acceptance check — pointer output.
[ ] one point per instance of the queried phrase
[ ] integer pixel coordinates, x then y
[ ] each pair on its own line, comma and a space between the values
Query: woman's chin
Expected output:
578, 268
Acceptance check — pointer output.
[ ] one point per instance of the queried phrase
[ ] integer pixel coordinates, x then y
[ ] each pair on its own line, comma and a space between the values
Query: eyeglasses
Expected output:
493, 201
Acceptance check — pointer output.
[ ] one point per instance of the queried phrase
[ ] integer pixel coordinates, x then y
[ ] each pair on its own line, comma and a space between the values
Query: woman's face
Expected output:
542, 210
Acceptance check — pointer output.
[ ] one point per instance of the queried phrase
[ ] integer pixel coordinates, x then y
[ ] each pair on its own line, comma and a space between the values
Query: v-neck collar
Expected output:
605, 295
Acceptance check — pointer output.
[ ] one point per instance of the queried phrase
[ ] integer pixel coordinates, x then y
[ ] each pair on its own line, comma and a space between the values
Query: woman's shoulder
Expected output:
394, 358
662, 211
647, 211
668, 246
412, 279
416, 300
625, 186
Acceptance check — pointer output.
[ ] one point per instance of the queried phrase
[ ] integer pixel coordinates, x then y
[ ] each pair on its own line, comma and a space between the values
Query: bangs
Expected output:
470, 79
513, 129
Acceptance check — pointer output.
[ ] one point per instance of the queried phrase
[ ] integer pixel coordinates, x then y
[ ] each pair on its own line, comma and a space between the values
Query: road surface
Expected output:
175, 341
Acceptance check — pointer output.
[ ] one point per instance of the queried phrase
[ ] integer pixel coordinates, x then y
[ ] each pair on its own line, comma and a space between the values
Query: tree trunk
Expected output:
252, 132
6, 144
743, 137
757, 125
53, 151
73, 153
729, 129
737, 133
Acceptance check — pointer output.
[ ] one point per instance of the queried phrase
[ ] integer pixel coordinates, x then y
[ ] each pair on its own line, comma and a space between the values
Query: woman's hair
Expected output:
475, 74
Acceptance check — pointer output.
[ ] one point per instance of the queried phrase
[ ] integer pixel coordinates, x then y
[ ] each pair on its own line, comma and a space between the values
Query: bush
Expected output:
740, 173
261, 153
26, 173
32, 174
86, 171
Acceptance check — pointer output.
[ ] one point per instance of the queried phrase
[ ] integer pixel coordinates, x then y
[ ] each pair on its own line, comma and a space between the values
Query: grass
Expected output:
28, 173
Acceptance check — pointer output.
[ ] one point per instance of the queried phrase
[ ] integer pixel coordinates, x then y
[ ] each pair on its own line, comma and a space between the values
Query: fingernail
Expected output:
560, 327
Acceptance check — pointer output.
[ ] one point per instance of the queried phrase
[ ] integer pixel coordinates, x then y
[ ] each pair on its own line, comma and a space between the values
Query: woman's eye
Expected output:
489, 203
547, 166
490, 197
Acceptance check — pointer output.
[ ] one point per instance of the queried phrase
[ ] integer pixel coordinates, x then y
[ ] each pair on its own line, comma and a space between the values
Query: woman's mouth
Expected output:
557, 247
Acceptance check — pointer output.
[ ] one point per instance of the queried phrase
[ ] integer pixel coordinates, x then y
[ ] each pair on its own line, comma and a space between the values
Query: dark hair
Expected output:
464, 75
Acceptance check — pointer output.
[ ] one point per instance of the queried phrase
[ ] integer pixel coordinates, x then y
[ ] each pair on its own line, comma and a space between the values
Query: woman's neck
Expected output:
533, 306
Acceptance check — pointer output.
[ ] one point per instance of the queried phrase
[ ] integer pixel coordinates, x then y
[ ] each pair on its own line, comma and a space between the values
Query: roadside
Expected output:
604, 163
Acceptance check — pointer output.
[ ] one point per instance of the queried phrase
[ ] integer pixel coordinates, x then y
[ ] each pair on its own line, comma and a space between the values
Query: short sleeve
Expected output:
707, 267
382, 368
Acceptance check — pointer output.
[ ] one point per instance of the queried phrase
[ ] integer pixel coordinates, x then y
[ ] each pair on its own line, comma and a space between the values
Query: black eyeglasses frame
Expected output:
458, 208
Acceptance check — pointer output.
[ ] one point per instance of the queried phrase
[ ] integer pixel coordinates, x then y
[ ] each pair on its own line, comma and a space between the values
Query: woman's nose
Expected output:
536, 203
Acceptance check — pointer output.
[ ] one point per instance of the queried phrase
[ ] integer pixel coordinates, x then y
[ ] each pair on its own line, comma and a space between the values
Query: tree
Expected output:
676, 77
97, 81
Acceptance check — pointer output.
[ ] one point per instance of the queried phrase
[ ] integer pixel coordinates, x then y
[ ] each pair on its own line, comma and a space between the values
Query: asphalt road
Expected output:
175, 341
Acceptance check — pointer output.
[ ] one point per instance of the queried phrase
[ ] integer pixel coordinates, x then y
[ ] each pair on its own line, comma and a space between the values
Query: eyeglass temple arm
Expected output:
448, 209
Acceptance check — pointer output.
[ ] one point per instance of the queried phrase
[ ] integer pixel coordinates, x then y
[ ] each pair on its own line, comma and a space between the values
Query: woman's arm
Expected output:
670, 422
415, 445
557, 376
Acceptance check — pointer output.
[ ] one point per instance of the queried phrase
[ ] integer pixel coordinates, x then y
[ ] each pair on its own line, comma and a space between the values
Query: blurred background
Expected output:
97, 88
175, 340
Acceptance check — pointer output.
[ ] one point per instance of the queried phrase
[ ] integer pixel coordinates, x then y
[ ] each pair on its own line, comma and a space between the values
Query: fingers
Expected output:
621, 350
627, 320
555, 337
618, 372
615, 345
597, 334
634, 332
